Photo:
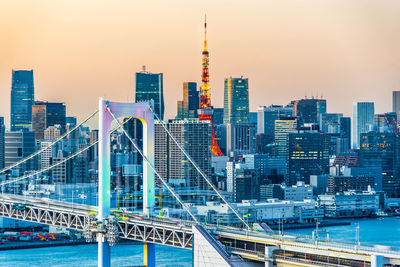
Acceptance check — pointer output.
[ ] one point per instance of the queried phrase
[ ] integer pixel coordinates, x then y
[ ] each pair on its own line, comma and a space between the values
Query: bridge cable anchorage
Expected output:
153, 168
47, 147
58, 163
199, 170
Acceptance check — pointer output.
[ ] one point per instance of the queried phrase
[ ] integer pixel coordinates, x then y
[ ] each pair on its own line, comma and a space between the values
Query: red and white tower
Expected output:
206, 111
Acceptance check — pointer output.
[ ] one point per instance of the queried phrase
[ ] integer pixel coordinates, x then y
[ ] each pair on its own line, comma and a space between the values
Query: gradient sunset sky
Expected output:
345, 50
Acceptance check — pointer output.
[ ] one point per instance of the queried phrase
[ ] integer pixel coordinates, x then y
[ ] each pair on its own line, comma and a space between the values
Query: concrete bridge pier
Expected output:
149, 255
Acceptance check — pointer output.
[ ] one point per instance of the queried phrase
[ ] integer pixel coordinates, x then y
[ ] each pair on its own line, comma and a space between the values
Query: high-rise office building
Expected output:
362, 121
309, 110
2, 133
19, 145
240, 139
329, 119
46, 114
22, 98
396, 102
386, 122
190, 100
378, 150
283, 127
308, 154
345, 133
150, 86
195, 138
236, 100
266, 117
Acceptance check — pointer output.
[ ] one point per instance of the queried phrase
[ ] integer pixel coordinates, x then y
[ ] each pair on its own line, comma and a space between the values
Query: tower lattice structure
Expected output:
206, 111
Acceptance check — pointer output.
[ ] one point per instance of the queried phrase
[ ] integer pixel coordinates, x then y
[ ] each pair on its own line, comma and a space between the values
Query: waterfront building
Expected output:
308, 154
269, 191
378, 150
362, 121
283, 127
298, 192
374, 172
149, 86
319, 183
309, 110
266, 117
338, 184
350, 204
22, 99
236, 100
272, 211
46, 114
18, 145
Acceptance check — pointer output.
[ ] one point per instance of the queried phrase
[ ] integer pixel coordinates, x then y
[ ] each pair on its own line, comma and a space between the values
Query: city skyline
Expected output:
350, 54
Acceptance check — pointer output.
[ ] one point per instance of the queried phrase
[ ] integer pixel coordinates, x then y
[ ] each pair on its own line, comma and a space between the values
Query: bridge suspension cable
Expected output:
153, 168
199, 170
60, 162
47, 147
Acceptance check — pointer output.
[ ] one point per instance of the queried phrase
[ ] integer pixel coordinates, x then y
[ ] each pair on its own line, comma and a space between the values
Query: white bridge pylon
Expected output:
143, 112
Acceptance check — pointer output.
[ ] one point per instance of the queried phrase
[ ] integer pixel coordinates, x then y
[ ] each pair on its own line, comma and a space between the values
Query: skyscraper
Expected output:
309, 110
345, 131
150, 86
236, 100
19, 145
362, 121
22, 98
378, 150
396, 102
195, 138
46, 114
266, 117
308, 154
190, 100
283, 127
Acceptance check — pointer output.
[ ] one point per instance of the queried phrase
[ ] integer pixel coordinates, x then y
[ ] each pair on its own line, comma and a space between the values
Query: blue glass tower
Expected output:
150, 86
22, 98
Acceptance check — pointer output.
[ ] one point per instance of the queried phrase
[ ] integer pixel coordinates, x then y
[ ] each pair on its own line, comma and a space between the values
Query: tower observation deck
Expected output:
206, 111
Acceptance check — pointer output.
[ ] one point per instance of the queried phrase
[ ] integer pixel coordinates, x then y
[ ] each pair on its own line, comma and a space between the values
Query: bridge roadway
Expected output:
255, 246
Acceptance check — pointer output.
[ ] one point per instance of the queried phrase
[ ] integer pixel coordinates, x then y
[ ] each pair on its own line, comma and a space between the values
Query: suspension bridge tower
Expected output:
206, 111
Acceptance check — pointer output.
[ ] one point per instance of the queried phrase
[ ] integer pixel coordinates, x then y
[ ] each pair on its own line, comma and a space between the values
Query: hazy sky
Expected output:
345, 50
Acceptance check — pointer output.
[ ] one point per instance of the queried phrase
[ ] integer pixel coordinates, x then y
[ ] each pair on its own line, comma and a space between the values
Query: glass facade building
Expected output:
266, 117
362, 121
308, 154
19, 145
22, 99
150, 86
46, 114
236, 100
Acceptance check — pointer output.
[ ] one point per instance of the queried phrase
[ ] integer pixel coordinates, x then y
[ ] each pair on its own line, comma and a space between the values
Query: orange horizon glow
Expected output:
346, 51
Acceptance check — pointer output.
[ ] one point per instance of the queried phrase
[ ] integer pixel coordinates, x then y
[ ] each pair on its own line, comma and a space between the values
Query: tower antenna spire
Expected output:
205, 110
205, 32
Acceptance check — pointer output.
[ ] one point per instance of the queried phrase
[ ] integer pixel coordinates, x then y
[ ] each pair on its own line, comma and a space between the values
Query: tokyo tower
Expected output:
206, 111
